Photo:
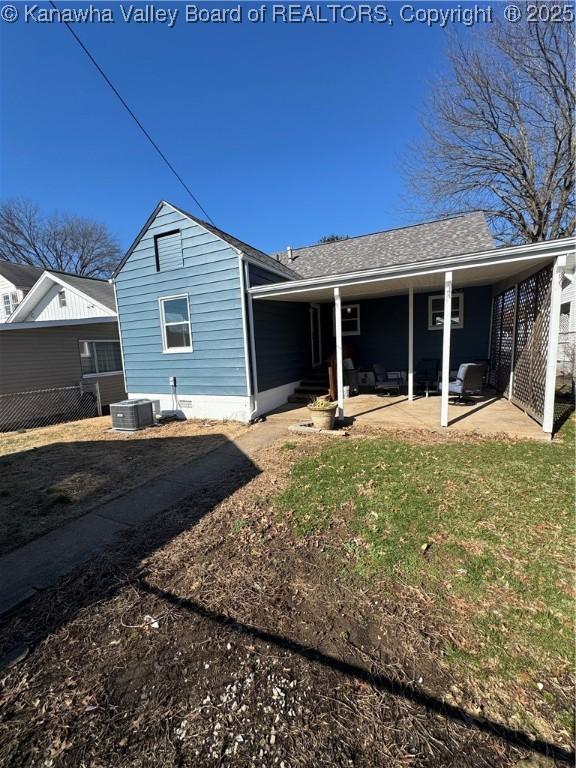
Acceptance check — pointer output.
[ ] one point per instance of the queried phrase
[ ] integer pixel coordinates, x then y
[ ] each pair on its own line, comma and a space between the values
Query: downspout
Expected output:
252, 337
248, 336
113, 281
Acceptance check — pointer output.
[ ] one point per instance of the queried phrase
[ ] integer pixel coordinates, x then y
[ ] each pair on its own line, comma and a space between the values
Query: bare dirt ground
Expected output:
54, 474
216, 637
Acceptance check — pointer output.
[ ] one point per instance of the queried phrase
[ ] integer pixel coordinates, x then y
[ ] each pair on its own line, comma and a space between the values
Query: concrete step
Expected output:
313, 384
312, 389
300, 398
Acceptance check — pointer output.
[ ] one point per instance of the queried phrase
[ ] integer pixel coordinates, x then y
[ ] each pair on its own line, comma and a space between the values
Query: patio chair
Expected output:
468, 382
486, 363
426, 374
386, 382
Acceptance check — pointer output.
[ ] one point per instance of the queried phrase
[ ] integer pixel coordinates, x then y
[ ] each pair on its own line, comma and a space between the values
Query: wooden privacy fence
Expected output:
519, 343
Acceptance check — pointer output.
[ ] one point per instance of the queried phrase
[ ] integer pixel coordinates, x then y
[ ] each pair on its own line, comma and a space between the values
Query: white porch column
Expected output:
411, 343
447, 328
339, 365
552, 357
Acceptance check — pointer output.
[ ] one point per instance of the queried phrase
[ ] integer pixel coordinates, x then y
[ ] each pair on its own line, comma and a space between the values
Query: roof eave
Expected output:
199, 222
137, 239
40, 324
462, 261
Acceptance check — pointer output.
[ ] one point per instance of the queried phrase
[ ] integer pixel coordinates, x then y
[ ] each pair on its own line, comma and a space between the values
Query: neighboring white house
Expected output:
15, 282
567, 329
60, 355
60, 296
568, 297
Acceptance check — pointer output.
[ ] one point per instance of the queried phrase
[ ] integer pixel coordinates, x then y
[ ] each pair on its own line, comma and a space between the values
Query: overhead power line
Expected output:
133, 116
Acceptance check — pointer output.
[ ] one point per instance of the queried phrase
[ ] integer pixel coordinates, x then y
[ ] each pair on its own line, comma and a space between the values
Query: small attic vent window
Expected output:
168, 250
62, 298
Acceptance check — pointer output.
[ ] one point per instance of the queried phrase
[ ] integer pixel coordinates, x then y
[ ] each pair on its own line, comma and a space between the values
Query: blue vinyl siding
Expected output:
384, 331
206, 268
282, 334
261, 276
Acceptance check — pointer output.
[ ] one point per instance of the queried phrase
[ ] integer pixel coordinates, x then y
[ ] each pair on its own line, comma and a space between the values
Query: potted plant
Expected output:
323, 410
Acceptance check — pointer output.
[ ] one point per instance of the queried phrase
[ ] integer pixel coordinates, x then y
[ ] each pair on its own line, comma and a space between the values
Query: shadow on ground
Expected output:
218, 475
382, 683
42, 488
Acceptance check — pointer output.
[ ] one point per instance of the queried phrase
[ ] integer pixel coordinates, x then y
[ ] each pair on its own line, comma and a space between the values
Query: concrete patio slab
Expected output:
489, 416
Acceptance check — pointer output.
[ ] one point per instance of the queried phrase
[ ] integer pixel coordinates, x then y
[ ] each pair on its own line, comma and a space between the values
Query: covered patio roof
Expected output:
496, 266
469, 269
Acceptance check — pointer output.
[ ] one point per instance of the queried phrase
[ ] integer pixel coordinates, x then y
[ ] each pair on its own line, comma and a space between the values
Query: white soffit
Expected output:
488, 274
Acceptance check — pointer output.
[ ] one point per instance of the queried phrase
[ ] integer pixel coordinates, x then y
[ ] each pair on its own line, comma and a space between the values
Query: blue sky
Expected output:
286, 132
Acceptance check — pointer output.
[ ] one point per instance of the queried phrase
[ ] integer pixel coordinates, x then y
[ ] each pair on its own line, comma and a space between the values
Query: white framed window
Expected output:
10, 301
436, 311
99, 358
350, 320
175, 321
62, 298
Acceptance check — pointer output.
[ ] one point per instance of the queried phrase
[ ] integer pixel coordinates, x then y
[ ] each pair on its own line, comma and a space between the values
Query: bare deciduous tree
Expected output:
59, 242
333, 238
500, 132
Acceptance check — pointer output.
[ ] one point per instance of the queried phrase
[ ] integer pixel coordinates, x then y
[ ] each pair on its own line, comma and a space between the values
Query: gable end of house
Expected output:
182, 318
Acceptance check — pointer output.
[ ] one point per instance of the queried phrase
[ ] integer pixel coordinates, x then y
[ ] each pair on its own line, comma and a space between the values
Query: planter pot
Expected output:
323, 418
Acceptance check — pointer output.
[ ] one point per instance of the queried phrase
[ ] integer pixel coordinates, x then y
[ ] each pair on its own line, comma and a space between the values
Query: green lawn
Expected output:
483, 528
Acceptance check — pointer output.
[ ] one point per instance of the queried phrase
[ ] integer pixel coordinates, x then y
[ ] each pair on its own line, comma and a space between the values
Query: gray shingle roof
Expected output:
20, 275
421, 242
99, 290
254, 253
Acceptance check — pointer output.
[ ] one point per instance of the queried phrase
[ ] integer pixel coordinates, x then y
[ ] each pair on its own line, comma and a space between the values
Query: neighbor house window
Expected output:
62, 298
10, 301
98, 357
175, 319
350, 320
436, 311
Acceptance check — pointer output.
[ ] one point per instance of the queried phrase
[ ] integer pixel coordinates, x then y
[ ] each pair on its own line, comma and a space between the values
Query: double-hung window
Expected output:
175, 321
436, 311
350, 320
99, 357
10, 301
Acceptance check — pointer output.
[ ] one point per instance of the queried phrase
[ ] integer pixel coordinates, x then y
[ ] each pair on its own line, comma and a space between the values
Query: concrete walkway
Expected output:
44, 561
